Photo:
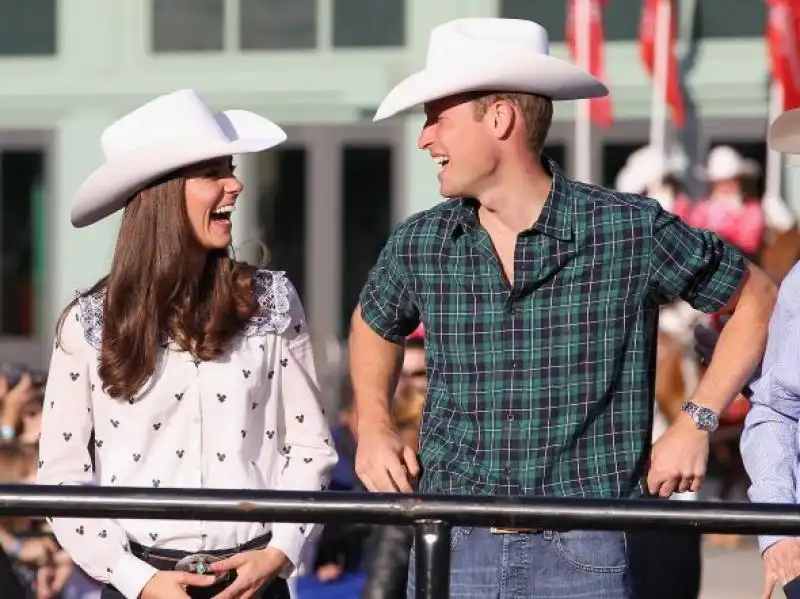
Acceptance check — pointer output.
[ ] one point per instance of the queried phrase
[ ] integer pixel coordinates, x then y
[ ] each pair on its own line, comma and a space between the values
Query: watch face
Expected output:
706, 419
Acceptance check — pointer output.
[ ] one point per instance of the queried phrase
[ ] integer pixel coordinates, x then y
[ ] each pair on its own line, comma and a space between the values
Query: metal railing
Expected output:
431, 515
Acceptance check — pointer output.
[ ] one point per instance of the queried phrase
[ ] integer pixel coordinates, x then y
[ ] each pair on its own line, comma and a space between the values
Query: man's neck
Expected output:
516, 200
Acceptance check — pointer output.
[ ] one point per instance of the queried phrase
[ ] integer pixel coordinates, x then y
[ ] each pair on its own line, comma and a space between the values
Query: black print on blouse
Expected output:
302, 529
87, 467
297, 328
80, 530
67, 436
113, 478
137, 457
221, 457
300, 418
196, 363
52, 403
115, 423
179, 396
326, 441
156, 426
74, 376
270, 434
92, 386
254, 405
156, 482
153, 535
287, 448
284, 362
308, 460
270, 374
261, 346
41, 463
244, 433
131, 400
221, 397
179, 453
98, 442
245, 373
109, 570
102, 534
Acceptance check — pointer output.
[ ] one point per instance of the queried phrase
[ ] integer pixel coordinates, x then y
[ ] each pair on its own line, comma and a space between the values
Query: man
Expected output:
769, 444
539, 297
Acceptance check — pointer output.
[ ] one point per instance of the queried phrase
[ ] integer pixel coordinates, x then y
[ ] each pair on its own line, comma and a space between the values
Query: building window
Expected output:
367, 198
368, 23
21, 224
27, 27
748, 20
278, 24
282, 211
187, 25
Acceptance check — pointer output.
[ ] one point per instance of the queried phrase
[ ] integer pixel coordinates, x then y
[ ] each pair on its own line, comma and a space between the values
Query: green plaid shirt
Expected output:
544, 387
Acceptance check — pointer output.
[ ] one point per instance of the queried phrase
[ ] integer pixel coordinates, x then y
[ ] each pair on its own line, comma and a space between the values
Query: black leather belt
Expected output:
196, 563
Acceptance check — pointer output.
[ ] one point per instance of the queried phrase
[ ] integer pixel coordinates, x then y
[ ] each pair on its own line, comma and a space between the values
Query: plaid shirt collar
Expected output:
556, 219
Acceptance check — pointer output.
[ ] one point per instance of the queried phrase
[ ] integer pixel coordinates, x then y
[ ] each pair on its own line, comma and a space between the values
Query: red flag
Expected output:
647, 52
783, 37
599, 108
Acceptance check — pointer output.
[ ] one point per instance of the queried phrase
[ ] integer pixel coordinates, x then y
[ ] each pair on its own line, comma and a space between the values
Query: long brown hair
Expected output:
159, 285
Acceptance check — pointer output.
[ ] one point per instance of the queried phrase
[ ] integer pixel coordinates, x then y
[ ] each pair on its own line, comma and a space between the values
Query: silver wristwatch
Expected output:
704, 418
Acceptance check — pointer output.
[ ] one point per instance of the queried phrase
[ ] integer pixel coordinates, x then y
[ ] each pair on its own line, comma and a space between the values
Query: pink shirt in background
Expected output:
741, 225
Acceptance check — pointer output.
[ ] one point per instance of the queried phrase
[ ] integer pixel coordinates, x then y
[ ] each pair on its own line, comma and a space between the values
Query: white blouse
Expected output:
250, 420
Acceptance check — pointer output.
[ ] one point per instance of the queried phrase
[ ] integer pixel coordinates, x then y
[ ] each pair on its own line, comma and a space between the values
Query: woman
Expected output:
186, 368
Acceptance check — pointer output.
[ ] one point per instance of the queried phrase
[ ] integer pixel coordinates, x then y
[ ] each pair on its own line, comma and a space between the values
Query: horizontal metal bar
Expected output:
380, 508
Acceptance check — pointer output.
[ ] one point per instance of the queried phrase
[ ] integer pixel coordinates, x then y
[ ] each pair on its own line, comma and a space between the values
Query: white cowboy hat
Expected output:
490, 54
725, 163
645, 167
167, 133
784, 134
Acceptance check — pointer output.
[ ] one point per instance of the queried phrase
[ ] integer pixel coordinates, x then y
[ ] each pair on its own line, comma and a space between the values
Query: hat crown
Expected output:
461, 38
178, 115
724, 162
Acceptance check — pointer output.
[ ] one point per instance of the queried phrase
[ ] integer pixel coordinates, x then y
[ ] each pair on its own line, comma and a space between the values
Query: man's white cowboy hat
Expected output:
489, 54
725, 163
167, 133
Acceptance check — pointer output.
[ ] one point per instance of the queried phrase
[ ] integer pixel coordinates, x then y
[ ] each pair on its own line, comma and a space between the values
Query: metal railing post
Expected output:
432, 568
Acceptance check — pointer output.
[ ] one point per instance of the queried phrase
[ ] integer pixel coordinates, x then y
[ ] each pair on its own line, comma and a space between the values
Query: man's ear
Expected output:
502, 118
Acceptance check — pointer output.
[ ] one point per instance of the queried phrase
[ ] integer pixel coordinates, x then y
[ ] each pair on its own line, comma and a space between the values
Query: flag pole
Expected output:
658, 111
583, 124
774, 167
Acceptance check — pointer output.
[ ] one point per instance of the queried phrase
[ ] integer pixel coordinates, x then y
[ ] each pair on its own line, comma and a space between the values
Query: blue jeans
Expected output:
548, 565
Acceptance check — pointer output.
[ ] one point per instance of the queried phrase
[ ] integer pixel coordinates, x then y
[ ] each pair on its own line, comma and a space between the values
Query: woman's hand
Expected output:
254, 570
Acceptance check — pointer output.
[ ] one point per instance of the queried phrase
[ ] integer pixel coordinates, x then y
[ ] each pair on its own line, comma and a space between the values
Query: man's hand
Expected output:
254, 570
171, 584
383, 462
678, 459
781, 564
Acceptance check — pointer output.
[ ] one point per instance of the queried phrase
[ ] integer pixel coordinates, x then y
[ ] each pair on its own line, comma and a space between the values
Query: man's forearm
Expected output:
741, 345
374, 369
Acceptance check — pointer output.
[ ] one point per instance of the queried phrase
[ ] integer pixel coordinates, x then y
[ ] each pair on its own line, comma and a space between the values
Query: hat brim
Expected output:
524, 72
784, 133
109, 187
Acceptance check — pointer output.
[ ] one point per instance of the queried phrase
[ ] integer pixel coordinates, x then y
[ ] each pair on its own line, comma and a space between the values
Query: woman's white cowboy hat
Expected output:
490, 54
725, 163
167, 133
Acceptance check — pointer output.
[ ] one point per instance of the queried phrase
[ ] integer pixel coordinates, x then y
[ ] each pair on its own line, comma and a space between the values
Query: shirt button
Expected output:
515, 364
510, 416
512, 309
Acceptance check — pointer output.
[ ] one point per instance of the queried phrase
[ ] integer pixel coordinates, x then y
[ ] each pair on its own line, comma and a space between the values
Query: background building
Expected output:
325, 201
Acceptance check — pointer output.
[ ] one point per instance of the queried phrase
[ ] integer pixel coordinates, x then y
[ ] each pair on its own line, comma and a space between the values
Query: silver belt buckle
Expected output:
197, 563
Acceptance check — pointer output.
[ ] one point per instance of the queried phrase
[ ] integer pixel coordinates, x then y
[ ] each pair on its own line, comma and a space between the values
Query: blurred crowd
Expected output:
32, 566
